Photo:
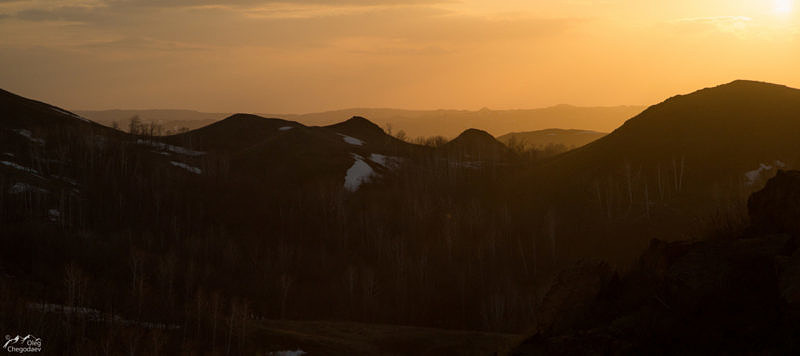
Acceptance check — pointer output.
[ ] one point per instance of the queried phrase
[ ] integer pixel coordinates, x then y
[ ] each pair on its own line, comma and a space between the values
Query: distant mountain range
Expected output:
414, 123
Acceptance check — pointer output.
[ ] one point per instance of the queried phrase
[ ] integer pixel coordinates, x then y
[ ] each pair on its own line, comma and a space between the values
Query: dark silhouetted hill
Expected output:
684, 160
234, 133
476, 145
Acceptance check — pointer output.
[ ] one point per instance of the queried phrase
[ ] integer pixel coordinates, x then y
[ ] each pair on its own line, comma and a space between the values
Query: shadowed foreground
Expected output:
734, 294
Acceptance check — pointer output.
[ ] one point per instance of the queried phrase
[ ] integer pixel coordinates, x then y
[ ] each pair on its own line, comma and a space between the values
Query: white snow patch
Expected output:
66, 179
93, 314
24, 187
53, 214
70, 114
378, 158
25, 169
29, 135
358, 174
9, 154
467, 164
297, 352
352, 140
97, 315
187, 167
174, 149
286, 128
754, 176
386, 161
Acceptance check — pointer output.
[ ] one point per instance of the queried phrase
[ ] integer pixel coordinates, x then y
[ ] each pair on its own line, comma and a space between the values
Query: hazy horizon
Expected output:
360, 108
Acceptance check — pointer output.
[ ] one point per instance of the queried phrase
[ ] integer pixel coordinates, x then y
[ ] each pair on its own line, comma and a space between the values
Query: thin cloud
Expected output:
722, 23
139, 43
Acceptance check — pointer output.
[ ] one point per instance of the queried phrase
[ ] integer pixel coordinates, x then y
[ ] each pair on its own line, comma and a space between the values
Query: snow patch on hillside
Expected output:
352, 140
297, 352
174, 149
360, 172
187, 167
70, 114
29, 135
53, 214
98, 316
286, 128
24, 169
66, 179
754, 176
386, 161
18, 188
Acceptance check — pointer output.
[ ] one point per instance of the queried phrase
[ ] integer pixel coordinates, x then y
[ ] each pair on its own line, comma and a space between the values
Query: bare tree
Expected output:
75, 283
284, 284
401, 135
135, 125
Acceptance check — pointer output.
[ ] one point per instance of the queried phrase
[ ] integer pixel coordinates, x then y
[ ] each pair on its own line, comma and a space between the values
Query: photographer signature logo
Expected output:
20, 344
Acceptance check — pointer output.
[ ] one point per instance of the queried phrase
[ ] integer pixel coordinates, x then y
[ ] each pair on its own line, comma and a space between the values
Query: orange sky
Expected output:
311, 55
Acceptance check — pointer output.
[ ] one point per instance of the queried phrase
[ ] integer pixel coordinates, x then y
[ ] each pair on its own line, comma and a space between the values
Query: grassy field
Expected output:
338, 338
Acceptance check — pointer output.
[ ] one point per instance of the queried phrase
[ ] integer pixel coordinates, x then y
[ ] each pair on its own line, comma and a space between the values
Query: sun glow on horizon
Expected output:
298, 56
784, 7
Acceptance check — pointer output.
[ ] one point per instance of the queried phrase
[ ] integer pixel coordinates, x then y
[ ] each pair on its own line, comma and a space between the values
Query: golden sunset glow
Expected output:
784, 6
305, 56
400, 177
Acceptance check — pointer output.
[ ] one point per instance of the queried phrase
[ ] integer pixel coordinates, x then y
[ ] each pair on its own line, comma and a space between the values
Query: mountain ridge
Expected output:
415, 123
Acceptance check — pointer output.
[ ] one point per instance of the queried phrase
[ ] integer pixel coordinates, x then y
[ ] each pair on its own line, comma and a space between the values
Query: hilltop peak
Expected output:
476, 144
750, 86
359, 121
243, 116
476, 133
358, 125
751, 83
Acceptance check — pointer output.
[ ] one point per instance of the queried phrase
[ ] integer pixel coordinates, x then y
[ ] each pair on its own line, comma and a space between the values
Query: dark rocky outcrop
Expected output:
776, 208
739, 295
571, 293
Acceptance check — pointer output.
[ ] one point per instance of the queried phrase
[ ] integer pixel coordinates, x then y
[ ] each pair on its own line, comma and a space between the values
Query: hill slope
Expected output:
677, 162
543, 138
476, 145
718, 133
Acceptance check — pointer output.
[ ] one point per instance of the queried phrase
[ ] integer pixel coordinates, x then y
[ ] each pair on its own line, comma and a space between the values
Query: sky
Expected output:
300, 56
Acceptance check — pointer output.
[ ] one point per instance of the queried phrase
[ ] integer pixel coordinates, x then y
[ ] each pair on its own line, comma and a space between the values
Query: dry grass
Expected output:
343, 338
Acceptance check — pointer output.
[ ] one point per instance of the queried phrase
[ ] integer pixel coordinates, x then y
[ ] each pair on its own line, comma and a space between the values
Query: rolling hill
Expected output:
476, 145
543, 138
669, 169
